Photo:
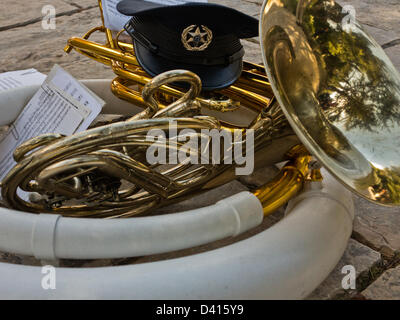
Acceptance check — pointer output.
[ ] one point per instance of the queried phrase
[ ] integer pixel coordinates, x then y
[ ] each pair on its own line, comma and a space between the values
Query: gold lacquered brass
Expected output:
71, 174
251, 90
337, 88
103, 172
339, 91
287, 184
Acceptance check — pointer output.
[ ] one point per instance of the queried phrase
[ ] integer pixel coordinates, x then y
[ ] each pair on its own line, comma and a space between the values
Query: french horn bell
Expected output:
326, 91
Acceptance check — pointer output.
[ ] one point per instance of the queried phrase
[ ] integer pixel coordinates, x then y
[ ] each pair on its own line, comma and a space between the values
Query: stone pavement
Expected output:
374, 249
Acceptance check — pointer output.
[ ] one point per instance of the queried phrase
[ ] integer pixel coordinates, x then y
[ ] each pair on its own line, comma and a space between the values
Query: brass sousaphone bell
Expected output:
338, 90
335, 85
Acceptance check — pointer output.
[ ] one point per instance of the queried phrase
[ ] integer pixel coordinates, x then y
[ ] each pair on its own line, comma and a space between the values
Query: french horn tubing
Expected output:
47, 170
80, 175
298, 108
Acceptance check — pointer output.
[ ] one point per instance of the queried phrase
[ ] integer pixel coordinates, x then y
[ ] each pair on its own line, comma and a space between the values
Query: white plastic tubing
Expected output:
287, 261
51, 237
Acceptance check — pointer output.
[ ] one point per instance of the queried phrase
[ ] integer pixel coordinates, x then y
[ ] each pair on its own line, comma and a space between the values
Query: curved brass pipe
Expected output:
68, 168
286, 185
249, 99
252, 89
116, 150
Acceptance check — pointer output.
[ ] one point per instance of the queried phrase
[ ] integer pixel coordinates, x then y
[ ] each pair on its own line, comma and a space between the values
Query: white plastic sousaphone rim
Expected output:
286, 261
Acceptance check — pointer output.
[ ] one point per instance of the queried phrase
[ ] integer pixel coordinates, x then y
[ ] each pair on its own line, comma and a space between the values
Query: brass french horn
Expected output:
104, 172
338, 90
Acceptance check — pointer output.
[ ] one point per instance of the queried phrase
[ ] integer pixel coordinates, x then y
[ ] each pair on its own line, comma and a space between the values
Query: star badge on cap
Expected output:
201, 37
195, 38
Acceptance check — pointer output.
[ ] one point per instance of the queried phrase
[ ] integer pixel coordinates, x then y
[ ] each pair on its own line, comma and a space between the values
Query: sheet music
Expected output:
15, 79
61, 105
75, 90
112, 18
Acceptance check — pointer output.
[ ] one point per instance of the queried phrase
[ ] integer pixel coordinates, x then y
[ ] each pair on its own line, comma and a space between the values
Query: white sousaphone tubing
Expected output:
286, 261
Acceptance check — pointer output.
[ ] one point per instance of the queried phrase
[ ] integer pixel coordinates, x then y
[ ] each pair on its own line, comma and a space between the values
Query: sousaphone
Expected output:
335, 85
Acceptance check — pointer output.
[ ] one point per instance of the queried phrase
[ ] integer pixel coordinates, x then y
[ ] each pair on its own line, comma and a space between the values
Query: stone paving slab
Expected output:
25, 11
382, 14
252, 51
381, 36
386, 287
33, 47
378, 227
362, 258
394, 55
252, 8
82, 3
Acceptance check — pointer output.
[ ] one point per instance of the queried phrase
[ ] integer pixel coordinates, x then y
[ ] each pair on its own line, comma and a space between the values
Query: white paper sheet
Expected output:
112, 18
75, 90
61, 105
15, 79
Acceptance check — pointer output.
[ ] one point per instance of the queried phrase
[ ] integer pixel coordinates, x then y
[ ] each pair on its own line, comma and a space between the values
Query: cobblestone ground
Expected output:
374, 249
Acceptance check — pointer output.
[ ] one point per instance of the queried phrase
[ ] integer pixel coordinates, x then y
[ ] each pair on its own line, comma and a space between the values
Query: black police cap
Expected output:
200, 37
